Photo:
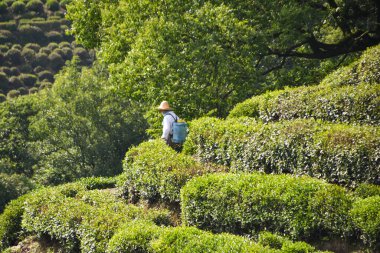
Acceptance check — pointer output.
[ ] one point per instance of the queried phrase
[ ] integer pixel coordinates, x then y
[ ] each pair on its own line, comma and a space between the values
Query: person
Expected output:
169, 118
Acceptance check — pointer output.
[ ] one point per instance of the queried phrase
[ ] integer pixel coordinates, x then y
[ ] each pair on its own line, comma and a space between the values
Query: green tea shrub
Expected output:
283, 244
190, 239
367, 190
10, 222
29, 80
339, 153
18, 7
56, 61
6, 70
365, 69
300, 207
4, 48
52, 5
29, 55
64, 44
83, 55
47, 212
99, 227
6, 36
35, 5
52, 46
15, 71
45, 75
350, 104
33, 90
23, 91
17, 46
14, 56
13, 94
8, 26
35, 47
2, 97
15, 82
80, 219
67, 53
13, 186
42, 59
366, 216
54, 36
154, 171
92, 183
134, 237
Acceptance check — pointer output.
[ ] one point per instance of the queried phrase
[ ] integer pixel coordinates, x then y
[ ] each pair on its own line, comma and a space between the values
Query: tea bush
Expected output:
350, 104
134, 237
367, 190
300, 207
154, 171
339, 153
18, 7
10, 222
29, 80
52, 5
35, 5
283, 244
79, 219
92, 183
366, 216
365, 69
190, 239
14, 56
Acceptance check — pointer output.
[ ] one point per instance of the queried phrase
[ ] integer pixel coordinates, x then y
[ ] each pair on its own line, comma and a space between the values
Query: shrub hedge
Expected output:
302, 208
81, 220
367, 190
153, 171
350, 104
339, 153
366, 69
10, 222
134, 237
189, 239
366, 216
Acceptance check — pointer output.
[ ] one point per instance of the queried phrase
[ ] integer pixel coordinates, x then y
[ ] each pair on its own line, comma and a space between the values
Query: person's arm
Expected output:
166, 128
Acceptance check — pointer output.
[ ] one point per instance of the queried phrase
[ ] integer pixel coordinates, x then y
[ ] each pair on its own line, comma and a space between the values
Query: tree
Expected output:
219, 52
84, 129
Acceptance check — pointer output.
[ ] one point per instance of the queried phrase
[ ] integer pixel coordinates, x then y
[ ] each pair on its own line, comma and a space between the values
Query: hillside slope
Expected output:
34, 45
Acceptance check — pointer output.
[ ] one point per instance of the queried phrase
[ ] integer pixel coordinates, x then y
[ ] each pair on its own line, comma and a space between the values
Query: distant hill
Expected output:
34, 45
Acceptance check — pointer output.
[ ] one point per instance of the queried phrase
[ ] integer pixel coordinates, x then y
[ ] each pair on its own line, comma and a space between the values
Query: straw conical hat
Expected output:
164, 106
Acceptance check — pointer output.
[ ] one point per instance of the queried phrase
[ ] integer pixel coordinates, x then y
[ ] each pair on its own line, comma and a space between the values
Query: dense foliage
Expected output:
350, 94
33, 41
339, 153
302, 208
204, 56
153, 171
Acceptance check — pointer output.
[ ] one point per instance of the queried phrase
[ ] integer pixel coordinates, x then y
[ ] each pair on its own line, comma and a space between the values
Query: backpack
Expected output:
179, 131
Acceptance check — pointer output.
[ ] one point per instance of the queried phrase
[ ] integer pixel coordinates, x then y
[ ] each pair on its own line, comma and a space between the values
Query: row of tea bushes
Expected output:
77, 218
350, 104
155, 172
96, 221
300, 207
147, 237
339, 153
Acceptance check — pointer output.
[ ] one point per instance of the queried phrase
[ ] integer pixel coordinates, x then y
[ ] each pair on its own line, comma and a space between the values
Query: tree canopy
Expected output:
207, 55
